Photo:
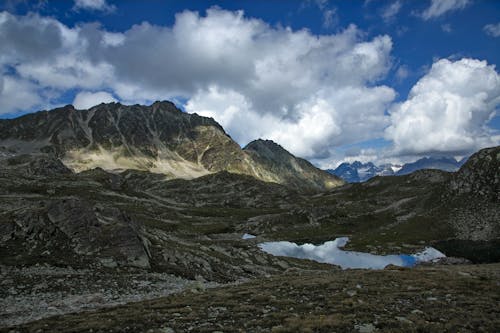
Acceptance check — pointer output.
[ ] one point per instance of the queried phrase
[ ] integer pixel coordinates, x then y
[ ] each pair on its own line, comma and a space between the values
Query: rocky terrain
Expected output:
78, 233
34, 292
426, 299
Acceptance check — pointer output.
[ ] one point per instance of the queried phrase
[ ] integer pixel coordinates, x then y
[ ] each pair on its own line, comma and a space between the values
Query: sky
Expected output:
330, 81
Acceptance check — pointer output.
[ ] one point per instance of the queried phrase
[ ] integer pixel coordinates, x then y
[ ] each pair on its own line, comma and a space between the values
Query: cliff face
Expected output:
158, 138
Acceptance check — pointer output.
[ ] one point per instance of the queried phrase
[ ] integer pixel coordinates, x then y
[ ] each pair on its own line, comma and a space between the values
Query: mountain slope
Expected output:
439, 163
279, 166
158, 138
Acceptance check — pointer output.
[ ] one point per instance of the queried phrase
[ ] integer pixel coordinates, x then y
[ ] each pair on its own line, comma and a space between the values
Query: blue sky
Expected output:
386, 81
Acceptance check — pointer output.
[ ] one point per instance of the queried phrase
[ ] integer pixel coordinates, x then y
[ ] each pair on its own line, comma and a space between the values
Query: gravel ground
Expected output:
451, 298
32, 293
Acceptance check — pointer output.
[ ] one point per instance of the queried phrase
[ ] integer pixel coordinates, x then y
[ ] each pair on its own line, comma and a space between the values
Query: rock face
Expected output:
103, 231
158, 138
474, 196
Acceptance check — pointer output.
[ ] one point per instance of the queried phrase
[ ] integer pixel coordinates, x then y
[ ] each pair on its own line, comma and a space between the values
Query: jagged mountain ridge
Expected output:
439, 163
357, 171
158, 138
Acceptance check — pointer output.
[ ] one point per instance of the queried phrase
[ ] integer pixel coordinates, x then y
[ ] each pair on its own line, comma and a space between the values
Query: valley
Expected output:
86, 235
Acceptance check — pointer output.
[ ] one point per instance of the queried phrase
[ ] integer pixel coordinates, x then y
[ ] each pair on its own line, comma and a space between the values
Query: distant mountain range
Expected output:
359, 172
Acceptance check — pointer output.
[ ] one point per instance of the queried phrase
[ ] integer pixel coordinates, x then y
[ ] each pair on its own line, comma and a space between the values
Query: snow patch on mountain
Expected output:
359, 172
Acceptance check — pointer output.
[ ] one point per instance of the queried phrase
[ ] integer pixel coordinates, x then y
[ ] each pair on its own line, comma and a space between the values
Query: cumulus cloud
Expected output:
17, 93
85, 99
308, 92
440, 7
95, 5
447, 110
492, 29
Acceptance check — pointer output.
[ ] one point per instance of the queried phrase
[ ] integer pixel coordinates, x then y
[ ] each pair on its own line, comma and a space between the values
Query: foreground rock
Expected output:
31, 293
427, 299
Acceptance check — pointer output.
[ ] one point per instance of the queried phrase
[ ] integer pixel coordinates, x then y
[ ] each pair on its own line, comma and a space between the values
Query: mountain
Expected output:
278, 165
359, 172
158, 138
439, 163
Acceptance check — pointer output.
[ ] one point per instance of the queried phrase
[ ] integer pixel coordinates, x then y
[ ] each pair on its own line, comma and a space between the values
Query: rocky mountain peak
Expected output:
357, 171
264, 144
268, 149
158, 138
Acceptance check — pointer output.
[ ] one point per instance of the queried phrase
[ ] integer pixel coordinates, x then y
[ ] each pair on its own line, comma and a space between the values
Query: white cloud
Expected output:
85, 99
391, 11
447, 110
308, 92
96, 5
492, 29
440, 7
17, 94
